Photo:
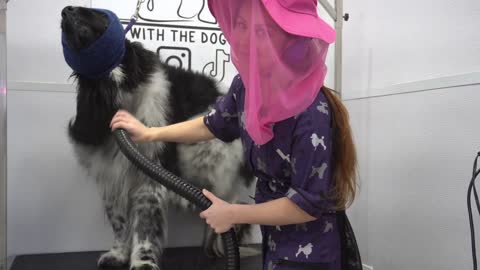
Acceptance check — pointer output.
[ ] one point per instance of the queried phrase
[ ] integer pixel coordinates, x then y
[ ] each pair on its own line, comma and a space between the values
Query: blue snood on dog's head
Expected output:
103, 55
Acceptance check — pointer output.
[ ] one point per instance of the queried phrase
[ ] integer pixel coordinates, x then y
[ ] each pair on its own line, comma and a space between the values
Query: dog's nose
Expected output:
68, 10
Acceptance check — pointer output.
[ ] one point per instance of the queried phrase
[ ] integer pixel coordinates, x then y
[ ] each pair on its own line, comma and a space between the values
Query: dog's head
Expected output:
93, 40
81, 26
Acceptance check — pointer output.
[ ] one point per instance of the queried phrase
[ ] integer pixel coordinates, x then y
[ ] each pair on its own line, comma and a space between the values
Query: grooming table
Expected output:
182, 258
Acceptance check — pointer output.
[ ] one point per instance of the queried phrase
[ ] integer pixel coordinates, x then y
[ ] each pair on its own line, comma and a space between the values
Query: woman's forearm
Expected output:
276, 212
190, 131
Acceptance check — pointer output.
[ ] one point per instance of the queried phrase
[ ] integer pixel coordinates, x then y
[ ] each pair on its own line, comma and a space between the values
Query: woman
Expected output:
295, 133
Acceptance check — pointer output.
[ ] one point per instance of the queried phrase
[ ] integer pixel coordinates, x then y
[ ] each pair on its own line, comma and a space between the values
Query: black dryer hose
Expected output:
180, 187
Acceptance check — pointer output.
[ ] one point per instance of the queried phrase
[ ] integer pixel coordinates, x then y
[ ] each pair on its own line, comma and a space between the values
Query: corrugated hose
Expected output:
174, 183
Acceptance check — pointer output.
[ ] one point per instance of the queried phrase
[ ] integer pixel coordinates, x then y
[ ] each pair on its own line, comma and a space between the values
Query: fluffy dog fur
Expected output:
158, 95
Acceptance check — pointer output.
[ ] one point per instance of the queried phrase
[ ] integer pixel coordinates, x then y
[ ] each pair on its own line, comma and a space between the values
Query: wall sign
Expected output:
182, 32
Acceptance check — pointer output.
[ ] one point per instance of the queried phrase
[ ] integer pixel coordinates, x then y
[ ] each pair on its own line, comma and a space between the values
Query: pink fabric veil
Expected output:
282, 72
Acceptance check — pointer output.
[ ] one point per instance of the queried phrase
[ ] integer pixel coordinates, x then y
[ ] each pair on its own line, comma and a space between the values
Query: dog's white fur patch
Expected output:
117, 75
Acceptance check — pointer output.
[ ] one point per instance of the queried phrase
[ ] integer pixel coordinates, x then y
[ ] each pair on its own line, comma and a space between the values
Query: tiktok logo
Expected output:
217, 69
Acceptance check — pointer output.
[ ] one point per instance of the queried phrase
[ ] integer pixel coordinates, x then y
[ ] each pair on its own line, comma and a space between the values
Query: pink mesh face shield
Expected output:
282, 72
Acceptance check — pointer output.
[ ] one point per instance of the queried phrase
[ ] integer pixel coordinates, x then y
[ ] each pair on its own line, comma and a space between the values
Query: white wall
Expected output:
34, 48
415, 164
412, 86
3, 135
396, 42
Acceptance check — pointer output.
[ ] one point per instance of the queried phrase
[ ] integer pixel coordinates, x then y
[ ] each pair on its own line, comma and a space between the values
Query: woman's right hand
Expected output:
138, 131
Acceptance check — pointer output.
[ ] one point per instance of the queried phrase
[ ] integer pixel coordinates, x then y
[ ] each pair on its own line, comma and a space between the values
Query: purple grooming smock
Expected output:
295, 164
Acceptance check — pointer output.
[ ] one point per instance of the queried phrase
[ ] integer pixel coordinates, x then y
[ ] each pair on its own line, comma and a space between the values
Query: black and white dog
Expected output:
158, 95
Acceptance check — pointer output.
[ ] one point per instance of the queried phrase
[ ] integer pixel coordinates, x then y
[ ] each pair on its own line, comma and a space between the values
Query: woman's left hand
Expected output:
219, 215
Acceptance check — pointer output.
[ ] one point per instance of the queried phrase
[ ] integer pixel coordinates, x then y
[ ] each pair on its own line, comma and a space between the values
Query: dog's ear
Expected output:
134, 58
100, 22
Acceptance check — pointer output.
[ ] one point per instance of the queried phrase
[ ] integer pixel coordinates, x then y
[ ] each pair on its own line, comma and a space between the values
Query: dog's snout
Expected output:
68, 10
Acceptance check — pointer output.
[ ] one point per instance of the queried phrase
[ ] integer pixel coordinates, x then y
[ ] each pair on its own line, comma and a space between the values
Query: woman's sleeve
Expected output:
222, 120
311, 169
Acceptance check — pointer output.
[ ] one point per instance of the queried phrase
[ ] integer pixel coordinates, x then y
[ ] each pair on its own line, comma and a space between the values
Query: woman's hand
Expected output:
138, 131
219, 215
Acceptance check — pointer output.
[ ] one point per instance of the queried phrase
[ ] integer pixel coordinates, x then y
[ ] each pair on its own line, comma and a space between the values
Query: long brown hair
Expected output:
344, 153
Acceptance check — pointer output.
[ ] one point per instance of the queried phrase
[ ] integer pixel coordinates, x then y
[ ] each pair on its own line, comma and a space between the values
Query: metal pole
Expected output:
338, 46
337, 15
3, 134
331, 11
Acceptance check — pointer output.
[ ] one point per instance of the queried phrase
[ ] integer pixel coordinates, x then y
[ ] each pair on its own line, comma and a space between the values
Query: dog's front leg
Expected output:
118, 255
148, 214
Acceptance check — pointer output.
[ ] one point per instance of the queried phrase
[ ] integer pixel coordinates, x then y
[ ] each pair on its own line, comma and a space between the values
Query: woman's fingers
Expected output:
122, 114
120, 118
121, 124
124, 120
115, 122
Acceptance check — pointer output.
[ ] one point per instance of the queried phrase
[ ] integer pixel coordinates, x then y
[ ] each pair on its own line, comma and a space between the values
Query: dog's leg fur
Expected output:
148, 216
118, 255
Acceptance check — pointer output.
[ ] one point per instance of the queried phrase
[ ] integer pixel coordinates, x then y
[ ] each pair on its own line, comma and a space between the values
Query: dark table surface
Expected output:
181, 258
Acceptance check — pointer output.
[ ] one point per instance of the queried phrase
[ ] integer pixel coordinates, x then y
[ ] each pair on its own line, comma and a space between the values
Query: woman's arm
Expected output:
221, 215
281, 211
190, 131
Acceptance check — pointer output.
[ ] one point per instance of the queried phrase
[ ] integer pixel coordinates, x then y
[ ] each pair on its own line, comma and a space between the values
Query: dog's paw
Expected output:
112, 259
143, 265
